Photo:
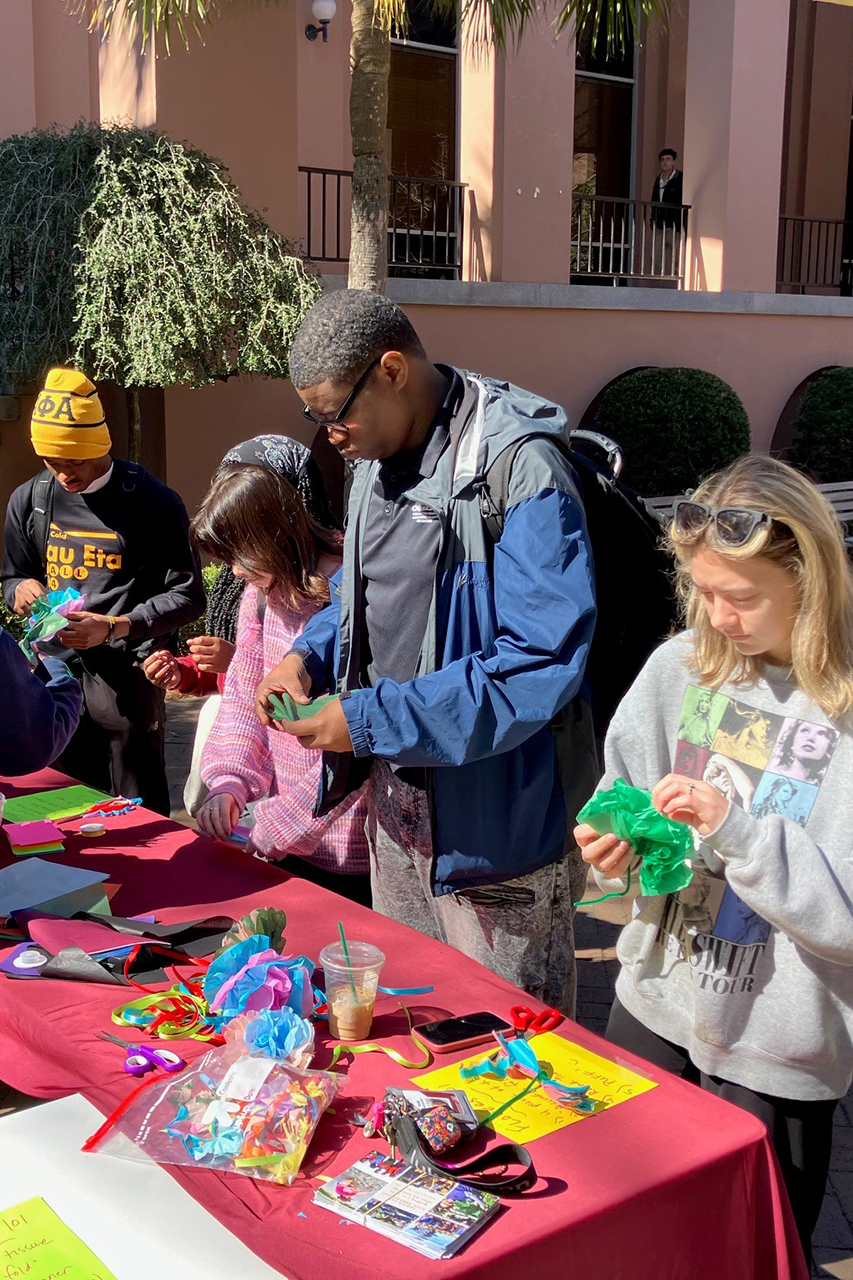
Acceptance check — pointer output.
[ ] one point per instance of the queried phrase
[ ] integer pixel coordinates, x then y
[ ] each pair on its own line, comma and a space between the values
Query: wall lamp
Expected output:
323, 11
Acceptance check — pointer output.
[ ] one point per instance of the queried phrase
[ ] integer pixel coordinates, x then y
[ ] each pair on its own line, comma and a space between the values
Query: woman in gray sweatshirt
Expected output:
741, 727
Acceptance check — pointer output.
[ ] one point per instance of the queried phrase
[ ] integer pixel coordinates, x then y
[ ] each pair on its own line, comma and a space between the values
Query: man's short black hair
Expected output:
343, 332
667, 151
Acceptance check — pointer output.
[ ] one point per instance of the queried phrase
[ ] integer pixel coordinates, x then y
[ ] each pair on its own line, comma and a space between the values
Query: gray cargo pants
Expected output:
524, 933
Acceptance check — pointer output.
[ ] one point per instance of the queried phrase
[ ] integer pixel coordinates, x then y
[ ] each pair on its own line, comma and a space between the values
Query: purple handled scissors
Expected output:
142, 1058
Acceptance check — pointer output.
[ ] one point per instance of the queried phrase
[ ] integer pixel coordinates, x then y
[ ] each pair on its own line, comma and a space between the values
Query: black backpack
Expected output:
42, 503
634, 581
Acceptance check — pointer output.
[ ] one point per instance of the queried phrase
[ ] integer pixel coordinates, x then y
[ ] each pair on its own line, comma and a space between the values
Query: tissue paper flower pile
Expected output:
251, 975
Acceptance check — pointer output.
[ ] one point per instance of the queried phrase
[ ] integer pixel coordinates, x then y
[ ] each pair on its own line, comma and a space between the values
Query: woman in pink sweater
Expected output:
255, 520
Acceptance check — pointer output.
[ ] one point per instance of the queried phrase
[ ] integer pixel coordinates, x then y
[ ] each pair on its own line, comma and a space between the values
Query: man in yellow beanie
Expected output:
113, 532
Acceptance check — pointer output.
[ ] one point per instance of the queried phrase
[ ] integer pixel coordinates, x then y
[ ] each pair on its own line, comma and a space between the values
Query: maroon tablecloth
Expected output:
671, 1185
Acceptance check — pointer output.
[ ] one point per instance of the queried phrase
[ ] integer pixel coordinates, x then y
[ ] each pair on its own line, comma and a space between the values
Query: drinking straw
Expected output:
349, 962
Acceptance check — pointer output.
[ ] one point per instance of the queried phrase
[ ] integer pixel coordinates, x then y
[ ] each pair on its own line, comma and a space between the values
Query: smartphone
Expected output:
461, 1033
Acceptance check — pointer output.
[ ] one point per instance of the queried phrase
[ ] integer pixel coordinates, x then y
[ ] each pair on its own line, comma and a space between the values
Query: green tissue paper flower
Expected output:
663, 845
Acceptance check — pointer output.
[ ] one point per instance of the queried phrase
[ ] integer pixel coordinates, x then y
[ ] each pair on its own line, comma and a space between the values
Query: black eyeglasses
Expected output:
337, 419
734, 526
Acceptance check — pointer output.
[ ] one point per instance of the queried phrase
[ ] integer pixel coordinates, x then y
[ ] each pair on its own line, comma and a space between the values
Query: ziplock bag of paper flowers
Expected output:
230, 1110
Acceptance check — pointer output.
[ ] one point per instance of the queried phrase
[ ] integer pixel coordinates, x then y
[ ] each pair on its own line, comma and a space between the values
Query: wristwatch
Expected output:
112, 621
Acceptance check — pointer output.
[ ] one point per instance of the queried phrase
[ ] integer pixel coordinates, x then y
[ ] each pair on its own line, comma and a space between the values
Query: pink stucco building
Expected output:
521, 247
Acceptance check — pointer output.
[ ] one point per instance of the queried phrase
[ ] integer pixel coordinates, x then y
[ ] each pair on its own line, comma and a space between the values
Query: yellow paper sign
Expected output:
535, 1114
35, 1243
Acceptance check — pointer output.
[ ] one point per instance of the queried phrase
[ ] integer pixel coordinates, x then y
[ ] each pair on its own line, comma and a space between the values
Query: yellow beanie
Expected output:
68, 419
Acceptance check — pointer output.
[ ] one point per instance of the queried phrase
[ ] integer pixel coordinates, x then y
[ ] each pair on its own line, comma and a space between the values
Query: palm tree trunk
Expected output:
370, 59
134, 425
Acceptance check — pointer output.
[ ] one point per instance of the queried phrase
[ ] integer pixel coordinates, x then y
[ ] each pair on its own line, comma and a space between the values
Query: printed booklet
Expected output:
434, 1215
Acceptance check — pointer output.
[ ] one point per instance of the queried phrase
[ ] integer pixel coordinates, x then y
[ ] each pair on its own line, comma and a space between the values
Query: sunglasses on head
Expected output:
733, 526
336, 420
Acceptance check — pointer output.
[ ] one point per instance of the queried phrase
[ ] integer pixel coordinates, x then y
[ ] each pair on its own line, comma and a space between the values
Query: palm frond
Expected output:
143, 19
607, 23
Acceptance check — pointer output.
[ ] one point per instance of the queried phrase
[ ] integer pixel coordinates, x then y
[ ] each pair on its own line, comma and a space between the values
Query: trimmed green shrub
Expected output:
823, 432
197, 628
10, 621
674, 426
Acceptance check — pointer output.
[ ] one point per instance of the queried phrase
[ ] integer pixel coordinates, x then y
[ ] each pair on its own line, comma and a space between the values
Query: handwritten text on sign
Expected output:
37, 1245
535, 1114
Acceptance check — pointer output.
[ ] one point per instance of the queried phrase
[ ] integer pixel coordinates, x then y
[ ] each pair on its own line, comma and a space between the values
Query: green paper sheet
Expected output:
35, 1242
284, 708
64, 802
663, 844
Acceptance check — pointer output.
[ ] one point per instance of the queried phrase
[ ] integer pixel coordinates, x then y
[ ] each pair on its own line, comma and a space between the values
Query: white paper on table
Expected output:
29, 883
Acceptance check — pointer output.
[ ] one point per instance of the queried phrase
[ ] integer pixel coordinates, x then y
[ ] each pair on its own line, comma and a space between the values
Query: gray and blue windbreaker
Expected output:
504, 651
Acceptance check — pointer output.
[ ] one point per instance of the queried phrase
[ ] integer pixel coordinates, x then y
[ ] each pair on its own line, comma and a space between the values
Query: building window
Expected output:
425, 214
422, 97
605, 87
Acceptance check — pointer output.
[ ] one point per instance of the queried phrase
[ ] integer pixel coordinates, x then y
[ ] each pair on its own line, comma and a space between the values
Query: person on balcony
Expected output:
670, 222
667, 190
452, 654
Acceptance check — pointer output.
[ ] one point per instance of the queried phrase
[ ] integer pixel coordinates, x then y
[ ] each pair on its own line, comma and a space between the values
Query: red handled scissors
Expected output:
527, 1023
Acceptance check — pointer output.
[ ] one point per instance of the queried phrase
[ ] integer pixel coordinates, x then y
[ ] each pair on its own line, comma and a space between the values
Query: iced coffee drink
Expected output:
351, 988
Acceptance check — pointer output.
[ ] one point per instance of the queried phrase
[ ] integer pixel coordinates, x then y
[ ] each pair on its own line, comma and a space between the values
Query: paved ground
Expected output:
596, 931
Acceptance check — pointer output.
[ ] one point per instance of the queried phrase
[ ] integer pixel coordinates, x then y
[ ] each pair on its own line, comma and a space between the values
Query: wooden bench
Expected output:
840, 496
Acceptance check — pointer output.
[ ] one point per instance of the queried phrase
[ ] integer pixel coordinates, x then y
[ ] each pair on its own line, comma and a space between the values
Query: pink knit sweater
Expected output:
246, 760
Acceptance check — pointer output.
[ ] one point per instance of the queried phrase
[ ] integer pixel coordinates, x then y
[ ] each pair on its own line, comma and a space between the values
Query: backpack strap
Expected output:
132, 476
493, 489
261, 608
42, 500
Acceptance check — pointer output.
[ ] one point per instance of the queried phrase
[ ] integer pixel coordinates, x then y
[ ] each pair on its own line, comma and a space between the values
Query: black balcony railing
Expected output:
425, 222
815, 254
615, 239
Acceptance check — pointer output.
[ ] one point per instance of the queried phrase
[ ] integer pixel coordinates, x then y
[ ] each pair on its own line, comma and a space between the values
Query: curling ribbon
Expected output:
381, 1048
406, 991
170, 1015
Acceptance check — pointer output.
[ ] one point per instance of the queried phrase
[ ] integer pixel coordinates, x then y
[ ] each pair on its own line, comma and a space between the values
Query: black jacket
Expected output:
126, 548
672, 194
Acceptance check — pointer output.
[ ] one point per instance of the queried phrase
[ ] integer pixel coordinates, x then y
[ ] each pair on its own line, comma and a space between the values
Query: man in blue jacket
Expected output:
459, 661
42, 708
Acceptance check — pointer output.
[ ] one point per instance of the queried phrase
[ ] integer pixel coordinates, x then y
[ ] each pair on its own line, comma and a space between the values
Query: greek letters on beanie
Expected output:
68, 418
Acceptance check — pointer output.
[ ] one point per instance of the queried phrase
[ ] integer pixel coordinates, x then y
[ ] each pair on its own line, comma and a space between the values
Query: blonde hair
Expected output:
805, 538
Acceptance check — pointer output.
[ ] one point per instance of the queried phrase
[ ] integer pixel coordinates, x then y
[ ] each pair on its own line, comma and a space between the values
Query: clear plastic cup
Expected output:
351, 988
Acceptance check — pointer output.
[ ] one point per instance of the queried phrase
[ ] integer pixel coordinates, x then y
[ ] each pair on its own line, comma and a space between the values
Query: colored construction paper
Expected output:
37, 850
284, 708
91, 898
64, 802
35, 1242
36, 883
536, 1114
22, 835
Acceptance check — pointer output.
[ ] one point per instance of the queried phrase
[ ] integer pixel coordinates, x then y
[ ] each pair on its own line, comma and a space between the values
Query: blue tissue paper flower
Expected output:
230, 962
276, 1033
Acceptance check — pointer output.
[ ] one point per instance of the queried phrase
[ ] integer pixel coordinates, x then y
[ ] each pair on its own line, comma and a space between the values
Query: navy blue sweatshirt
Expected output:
41, 708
